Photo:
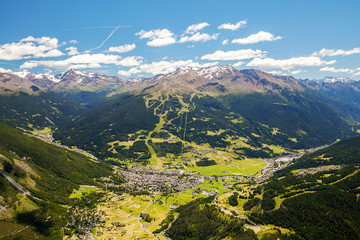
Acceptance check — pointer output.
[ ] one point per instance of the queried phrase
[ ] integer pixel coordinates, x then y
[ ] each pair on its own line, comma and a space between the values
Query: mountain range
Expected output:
214, 130
240, 104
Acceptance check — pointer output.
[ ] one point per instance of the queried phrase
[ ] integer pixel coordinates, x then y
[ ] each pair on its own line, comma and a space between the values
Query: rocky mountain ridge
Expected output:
216, 80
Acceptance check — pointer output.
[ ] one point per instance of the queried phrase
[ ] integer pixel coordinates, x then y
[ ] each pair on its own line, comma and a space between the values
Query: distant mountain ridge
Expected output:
60, 81
26, 105
12, 84
219, 80
337, 79
217, 105
234, 80
307, 110
89, 89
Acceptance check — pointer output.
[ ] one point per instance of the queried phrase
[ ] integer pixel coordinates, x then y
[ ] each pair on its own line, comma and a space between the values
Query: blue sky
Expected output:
305, 39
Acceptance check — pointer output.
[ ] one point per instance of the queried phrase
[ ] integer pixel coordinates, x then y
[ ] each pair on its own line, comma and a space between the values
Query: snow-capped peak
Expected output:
22, 74
337, 79
206, 72
76, 75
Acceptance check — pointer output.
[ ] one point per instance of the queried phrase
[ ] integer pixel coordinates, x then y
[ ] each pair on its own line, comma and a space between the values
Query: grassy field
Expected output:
121, 214
83, 190
246, 167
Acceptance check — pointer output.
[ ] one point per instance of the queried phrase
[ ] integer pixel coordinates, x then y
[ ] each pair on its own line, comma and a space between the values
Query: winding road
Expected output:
16, 185
163, 232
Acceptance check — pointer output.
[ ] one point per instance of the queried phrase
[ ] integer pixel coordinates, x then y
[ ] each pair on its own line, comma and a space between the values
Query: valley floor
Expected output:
137, 216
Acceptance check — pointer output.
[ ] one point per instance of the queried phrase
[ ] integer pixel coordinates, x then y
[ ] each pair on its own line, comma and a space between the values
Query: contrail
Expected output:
85, 28
104, 40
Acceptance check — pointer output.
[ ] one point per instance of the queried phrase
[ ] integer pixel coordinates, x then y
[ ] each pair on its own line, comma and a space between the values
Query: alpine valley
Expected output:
199, 153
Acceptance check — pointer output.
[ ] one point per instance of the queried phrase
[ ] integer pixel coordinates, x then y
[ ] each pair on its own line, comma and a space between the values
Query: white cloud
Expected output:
78, 61
199, 37
72, 50
257, 37
29, 65
196, 27
334, 70
129, 72
234, 55
93, 58
47, 41
163, 67
123, 48
30, 47
159, 42
233, 27
84, 66
51, 53
225, 42
130, 61
330, 62
296, 72
159, 37
238, 64
286, 64
73, 42
332, 52
3, 70
276, 72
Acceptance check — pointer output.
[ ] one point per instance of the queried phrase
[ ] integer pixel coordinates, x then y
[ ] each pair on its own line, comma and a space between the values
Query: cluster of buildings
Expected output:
83, 220
317, 169
167, 181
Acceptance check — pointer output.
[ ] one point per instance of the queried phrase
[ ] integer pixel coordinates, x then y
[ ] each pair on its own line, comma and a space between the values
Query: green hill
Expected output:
50, 174
45, 109
28, 106
299, 115
249, 125
317, 196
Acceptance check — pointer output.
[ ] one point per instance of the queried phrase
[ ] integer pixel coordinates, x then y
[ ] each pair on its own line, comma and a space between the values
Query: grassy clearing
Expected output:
275, 149
213, 187
83, 190
268, 230
278, 202
246, 167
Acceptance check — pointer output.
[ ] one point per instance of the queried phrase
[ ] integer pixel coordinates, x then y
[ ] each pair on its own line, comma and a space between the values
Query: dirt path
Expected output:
12, 234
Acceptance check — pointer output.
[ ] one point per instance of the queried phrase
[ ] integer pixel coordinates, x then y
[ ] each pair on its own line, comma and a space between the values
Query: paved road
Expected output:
16, 185
163, 232
142, 224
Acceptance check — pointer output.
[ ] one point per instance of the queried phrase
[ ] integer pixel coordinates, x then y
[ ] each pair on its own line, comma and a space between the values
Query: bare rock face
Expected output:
13, 84
214, 81
74, 80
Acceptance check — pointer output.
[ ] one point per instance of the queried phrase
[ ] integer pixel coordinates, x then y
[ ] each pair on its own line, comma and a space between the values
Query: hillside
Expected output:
314, 194
342, 95
28, 106
244, 113
178, 152
49, 174
87, 89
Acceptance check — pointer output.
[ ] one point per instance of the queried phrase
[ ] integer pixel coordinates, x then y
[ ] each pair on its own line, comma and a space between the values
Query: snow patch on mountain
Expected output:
337, 79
